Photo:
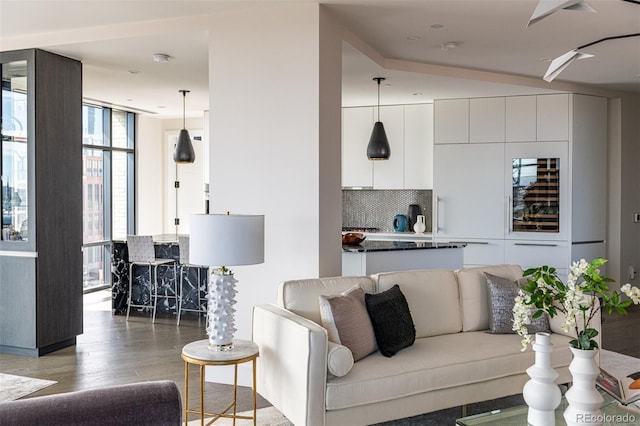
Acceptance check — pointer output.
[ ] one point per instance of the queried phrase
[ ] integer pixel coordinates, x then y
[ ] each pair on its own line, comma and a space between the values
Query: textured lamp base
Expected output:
220, 311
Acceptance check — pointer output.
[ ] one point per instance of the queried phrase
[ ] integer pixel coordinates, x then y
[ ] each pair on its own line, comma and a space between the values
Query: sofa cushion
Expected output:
438, 362
391, 319
339, 359
347, 321
502, 293
431, 294
301, 296
472, 285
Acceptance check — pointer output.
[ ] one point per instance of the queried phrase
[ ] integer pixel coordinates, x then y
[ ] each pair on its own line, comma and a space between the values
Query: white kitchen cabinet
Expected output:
418, 146
487, 120
532, 253
482, 252
520, 122
570, 183
552, 123
589, 171
357, 169
389, 174
451, 121
469, 190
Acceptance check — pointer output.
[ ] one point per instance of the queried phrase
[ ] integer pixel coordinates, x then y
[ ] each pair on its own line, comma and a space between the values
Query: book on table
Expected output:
625, 389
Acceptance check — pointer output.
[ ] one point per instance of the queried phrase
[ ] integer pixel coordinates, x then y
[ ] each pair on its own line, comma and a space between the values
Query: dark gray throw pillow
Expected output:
502, 293
391, 320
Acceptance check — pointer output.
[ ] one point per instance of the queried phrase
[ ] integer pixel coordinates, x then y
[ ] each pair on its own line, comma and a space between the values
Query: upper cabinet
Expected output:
409, 129
451, 121
520, 120
486, 120
357, 169
418, 146
552, 117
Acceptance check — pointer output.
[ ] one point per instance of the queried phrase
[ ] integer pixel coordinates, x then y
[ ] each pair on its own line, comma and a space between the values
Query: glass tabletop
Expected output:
613, 414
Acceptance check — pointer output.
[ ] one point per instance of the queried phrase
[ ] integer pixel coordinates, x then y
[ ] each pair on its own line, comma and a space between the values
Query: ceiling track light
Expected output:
161, 57
378, 147
561, 62
183, 152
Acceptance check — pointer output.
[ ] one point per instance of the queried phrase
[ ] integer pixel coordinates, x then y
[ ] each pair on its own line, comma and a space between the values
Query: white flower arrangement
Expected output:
546, 293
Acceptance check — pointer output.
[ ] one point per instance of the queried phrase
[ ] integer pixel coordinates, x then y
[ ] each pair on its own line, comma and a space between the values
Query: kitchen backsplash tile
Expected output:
376, 208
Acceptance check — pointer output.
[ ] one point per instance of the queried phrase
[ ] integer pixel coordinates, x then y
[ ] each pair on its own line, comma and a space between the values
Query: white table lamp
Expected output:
218, 241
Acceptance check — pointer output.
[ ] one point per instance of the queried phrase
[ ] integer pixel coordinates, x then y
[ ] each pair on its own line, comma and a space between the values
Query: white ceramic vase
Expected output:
540, 393
583, 397
420, 225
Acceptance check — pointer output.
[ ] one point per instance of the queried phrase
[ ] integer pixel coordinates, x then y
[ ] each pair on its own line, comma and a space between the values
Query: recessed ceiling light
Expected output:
437, 26
417, 94
448, 45
129, 100
161, 57
387, 84
161, 106
544, 59
413, 38
134, 72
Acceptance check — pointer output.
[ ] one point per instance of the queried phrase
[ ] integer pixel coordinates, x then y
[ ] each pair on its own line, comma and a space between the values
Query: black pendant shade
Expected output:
183, 152
378, 148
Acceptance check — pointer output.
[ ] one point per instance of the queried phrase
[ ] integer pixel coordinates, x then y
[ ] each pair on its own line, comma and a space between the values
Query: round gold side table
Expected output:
199, 353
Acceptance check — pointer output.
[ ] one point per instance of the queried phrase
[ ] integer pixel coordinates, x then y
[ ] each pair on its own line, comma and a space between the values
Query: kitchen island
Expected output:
371, 257
166, 246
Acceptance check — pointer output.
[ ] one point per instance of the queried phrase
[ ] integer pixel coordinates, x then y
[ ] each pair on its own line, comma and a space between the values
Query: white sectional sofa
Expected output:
454, 360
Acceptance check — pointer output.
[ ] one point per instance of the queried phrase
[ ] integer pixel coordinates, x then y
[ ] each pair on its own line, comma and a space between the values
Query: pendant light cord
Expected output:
184, 100
379, 79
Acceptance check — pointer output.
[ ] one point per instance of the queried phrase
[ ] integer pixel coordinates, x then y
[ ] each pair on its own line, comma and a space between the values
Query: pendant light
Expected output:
183, 152
378, 148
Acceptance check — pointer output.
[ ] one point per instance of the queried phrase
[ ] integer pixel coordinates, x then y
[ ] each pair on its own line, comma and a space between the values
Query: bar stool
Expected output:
183, 244
141, 252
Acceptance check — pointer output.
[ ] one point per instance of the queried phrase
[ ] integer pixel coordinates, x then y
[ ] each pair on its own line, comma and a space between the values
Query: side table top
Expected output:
243, 350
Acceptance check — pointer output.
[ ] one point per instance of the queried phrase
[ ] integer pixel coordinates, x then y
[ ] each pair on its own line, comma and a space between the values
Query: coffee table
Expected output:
517, 416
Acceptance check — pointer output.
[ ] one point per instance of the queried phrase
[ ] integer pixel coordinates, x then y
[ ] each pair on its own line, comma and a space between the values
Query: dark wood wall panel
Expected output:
58, 197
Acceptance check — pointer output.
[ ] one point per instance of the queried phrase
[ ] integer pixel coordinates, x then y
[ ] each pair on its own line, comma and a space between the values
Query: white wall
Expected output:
149, 175
151, 167
275, 141
623, 198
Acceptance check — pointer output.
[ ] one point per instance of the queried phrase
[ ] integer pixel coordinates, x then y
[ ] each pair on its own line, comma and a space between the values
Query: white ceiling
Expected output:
112, 38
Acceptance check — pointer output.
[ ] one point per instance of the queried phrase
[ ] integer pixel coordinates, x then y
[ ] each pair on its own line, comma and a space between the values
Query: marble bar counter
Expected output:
371, 257
166, 246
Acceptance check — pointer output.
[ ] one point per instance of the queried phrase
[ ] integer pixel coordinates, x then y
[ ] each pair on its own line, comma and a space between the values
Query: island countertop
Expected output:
375, 246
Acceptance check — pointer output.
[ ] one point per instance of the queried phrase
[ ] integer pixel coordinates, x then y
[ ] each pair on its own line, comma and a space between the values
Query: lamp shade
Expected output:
548, 7
226, 240
183, 152
378, 148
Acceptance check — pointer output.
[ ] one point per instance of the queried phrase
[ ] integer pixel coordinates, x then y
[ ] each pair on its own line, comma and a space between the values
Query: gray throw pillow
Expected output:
502, 293
347, 322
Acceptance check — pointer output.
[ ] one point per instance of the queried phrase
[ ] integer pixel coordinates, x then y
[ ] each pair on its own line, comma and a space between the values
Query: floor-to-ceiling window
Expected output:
108, 188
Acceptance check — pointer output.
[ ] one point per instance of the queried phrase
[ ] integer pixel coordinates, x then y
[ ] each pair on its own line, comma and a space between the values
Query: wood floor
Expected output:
113, 351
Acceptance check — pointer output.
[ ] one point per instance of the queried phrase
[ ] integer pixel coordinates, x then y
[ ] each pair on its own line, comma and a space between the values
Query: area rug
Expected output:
616, 363
14, 387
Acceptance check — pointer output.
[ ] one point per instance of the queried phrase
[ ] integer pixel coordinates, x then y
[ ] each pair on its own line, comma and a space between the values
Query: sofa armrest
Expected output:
143, 403
292, 366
